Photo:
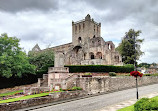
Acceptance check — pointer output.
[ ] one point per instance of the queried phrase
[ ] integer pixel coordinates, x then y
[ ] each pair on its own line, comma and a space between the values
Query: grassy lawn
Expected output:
26, 97
131, 108
10, 93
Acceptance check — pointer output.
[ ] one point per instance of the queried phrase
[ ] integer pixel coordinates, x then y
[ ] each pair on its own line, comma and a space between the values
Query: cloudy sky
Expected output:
48, 22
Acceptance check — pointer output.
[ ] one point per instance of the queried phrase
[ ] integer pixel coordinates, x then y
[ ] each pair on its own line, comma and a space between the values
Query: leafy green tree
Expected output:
13, 62
42, 59
130, 48
146, 65
154, 64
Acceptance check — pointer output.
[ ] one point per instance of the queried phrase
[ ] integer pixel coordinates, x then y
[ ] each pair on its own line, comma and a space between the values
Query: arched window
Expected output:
91, 55
94, 36
85, 56
83, 26
99, 55
79, 40
109, 46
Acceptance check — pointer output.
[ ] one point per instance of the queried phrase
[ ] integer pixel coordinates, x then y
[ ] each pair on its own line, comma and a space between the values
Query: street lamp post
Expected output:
135, 67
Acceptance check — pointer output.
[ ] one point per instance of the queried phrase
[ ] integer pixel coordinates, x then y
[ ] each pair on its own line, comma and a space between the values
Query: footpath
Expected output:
124, 104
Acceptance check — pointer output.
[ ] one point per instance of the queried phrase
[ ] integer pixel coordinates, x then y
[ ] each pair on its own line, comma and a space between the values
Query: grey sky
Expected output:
48, 22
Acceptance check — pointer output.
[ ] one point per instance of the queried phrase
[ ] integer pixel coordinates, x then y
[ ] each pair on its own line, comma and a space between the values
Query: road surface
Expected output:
98, 102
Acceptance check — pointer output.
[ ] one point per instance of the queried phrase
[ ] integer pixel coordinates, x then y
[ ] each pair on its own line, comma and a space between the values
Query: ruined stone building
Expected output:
87, 46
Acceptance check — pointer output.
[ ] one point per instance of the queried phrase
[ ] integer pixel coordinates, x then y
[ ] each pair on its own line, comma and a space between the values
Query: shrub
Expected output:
76, 88
112, 74
61, 89
146, 104
87, 74
147, 74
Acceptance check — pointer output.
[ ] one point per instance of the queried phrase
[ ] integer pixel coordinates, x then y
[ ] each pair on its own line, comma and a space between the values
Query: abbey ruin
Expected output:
87, 46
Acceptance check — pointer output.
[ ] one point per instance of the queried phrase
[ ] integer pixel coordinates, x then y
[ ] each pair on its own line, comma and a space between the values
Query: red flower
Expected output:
136, 74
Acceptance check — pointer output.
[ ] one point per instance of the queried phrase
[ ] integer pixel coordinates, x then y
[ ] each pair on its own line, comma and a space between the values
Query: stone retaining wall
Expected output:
6, 90
107, 84
42, 100
91, 85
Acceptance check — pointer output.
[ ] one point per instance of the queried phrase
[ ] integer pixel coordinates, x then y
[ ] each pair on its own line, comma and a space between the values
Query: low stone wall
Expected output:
107, 84
17, 88
35, 90
42, 100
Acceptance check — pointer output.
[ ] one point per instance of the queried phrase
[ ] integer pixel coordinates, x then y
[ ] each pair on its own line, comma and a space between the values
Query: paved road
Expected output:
98, 102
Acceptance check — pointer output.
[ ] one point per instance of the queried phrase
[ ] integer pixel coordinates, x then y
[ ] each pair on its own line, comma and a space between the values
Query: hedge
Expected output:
91, 68
100, 68
17, 81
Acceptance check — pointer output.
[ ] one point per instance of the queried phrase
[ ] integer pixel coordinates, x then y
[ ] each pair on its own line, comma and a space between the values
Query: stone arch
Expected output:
91, 54
79, 40
99, 55
76, 49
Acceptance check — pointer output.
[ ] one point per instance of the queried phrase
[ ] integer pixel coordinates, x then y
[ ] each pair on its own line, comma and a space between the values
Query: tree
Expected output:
42, 60
146, 65
13, 62
130, 48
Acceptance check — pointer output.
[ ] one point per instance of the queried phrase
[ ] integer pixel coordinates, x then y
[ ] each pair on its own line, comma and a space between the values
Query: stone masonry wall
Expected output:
42, 100
107, 84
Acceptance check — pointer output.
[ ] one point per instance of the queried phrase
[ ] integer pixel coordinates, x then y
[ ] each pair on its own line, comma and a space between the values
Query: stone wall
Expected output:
107, 84
42, 100
6, 90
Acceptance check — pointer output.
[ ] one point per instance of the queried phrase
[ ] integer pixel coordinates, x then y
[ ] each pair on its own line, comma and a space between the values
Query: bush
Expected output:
147, 75
76, 88
146, 104
100, 68
87, 74
112, 74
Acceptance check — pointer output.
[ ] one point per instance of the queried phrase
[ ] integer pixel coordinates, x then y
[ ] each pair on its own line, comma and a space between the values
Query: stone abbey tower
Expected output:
87, 46
83, 29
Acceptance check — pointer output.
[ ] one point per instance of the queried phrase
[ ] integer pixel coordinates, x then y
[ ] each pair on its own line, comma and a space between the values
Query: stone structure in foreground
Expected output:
87, 46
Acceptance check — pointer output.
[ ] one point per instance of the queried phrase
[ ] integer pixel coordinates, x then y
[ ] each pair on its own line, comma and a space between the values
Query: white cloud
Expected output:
49, 22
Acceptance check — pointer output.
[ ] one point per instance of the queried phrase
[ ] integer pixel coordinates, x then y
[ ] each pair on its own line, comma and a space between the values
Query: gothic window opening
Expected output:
76, 49
99, 55
79, 40
83, 25
94, 36
109, 46
84, 56
91, 55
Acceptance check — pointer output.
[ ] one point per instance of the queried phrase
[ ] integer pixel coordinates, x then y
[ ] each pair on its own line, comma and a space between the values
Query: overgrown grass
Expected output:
10, 93
26, 97
131, 108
